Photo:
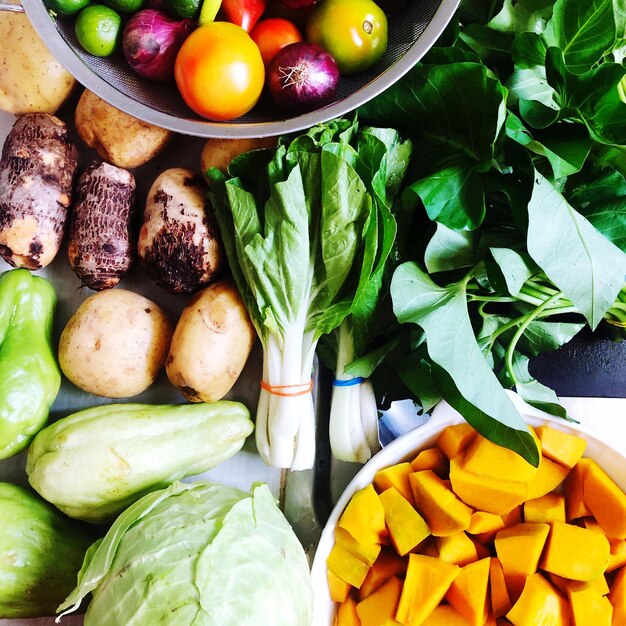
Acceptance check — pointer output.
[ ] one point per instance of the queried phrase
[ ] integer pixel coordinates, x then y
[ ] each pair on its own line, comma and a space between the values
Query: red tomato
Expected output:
219, 71
273, 34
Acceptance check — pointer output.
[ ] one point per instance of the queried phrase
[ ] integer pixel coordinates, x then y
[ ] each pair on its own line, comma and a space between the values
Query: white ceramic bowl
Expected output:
406, 447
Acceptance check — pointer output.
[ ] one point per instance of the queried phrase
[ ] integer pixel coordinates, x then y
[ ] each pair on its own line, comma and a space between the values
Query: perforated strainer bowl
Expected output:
411, 33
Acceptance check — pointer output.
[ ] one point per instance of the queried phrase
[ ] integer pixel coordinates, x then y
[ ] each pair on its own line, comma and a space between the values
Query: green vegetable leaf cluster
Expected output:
512, 227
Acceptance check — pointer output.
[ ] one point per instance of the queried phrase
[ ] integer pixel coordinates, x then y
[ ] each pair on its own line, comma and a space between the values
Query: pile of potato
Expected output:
468, 533
117, 342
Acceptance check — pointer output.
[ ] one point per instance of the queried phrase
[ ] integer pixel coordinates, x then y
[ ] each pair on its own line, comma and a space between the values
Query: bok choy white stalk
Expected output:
300, 230
353, 424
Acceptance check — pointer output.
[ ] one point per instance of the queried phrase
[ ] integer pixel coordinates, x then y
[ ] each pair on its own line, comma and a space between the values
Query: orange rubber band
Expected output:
282, 390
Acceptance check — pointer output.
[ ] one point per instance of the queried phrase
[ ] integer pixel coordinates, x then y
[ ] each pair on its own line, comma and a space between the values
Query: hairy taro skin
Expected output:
100, 247
178, 241
37, 169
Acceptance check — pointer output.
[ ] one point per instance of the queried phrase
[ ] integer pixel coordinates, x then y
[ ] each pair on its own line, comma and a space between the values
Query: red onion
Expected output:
151, 41
303, 77
298, 4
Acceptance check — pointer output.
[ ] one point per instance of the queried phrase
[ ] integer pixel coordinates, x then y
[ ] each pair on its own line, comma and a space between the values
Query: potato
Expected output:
220, 152
115, 344
117, 137
100, 247
178, 242
37, 170
31, 79
211, 344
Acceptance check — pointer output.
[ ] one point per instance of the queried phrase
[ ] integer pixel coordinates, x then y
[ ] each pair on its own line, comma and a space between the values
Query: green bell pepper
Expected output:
29, 373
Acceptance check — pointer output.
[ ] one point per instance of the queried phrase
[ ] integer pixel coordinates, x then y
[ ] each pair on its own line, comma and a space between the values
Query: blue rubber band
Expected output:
348, 383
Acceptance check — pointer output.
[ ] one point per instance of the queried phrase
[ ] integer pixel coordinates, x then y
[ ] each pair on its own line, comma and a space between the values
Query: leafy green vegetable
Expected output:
203, 554
514, 214
307, 237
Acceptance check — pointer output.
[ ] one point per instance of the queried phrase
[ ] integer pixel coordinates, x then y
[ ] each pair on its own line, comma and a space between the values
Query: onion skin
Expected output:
150, 42
303, 77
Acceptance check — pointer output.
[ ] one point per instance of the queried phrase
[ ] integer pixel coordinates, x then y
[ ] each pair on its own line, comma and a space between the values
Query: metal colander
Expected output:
411, 33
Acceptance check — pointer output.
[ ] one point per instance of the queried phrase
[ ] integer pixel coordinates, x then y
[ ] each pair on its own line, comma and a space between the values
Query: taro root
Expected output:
36, 174
178, 241
100, 248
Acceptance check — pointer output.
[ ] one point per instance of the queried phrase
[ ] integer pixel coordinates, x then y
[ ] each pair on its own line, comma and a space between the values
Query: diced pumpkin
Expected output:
547, 508
617, 597
482, 551
379, 608
458, 549
514, 516
617, 558
589, 607
519, 549
564, 585
339, 589
445, 615
468, 592
575, 553
560, 447
500, 600
349, 559
387, 564
454, 439
433, 459
606, 501
540, 604
485, 458
395, 476
548, 477
484, 522
575, 506
346, 613
430, 548
427, 581
407, 527
364, 517
486, 494
445, 514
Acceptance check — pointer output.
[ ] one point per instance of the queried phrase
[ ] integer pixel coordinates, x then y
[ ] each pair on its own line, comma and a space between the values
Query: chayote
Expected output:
41, 552
29, 374
94, 463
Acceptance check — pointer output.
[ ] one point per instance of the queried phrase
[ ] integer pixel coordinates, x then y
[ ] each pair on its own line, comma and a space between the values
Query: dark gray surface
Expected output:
591, 365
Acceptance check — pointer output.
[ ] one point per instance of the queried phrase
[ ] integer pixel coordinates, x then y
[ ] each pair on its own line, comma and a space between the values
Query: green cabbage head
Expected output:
197, 554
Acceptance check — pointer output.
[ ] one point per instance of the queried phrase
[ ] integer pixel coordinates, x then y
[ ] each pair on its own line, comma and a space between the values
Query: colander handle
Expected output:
11, 6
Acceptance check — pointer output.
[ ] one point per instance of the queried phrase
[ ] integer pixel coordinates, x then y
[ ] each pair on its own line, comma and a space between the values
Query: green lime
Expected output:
67, 7
124, 6
98, 29
182, 9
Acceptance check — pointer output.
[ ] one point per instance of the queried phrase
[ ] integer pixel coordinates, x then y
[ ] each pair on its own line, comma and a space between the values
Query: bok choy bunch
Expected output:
301, 230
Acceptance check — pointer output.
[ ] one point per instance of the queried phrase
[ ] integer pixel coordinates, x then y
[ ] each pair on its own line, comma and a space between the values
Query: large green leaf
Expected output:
591, 97
453, 113
450, 250
523, 16
516, 267
584, 30
463, 375
580, 261
602, 200
566, 146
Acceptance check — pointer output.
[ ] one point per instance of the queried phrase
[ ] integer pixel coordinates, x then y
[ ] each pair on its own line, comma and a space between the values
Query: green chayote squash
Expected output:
94, 463
29, 374
41, 553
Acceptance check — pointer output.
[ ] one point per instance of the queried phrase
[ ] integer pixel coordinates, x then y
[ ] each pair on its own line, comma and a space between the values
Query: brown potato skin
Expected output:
220, 152
31, 79
211, 344
179, 243
37, 170
115, 344
117, 137
100, 247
